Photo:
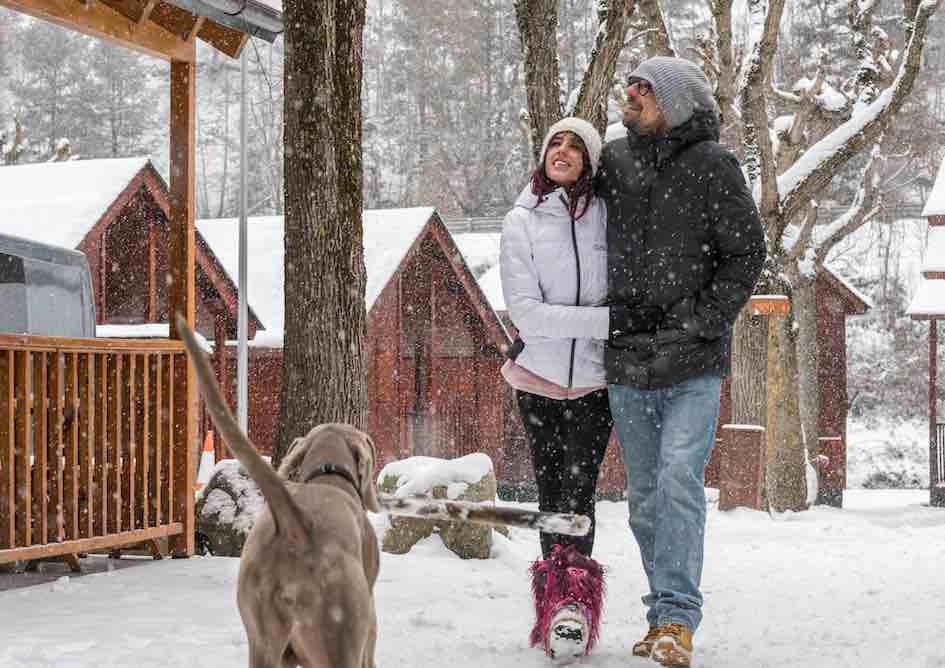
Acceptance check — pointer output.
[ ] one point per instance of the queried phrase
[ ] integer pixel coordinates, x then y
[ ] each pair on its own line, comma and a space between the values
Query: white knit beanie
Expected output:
681, 88
588, 134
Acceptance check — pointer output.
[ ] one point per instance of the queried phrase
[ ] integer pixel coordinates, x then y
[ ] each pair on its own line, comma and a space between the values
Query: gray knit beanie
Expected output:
681, 88
587, 132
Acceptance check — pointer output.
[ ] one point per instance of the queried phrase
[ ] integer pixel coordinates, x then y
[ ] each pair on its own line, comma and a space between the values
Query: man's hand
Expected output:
634, 320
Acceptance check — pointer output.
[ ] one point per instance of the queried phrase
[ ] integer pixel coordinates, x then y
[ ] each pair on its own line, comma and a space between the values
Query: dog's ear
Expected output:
364, 454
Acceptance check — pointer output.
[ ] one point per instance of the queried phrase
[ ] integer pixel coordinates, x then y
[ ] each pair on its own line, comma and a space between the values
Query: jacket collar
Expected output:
704, 125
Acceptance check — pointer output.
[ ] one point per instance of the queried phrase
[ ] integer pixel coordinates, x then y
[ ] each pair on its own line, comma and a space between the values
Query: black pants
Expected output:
567, 439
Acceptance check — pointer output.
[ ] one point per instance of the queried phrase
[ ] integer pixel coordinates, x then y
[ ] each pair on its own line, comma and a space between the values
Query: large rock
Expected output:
469, 478
227, 507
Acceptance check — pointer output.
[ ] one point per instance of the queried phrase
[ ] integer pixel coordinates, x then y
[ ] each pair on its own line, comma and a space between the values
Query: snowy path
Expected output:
859, 587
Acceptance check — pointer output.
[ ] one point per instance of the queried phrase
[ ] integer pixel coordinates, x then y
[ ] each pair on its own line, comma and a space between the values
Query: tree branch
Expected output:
817, 167
658, 42
599, 76
759, 153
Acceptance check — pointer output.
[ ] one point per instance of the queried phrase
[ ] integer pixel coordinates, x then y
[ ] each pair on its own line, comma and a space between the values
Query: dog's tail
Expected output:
285, 513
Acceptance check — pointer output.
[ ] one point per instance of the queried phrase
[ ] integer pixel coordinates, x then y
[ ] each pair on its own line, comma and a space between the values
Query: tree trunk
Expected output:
786, 484
323, 378
538, 28
805, 313
599, 78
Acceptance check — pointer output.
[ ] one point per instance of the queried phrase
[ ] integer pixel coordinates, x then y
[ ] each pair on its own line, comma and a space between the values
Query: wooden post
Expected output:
742, 467
182, 293
936, 482
830, 471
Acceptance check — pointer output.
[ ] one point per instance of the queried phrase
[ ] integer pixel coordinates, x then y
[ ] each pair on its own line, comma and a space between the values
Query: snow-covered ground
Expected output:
859, 587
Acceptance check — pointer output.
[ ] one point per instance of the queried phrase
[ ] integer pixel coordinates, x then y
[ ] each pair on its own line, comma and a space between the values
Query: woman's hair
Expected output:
582, 189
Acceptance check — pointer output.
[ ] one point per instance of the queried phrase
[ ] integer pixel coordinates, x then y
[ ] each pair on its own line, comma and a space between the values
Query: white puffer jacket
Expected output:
552, 270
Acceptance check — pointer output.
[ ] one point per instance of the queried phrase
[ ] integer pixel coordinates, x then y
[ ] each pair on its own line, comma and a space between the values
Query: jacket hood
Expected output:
554, 203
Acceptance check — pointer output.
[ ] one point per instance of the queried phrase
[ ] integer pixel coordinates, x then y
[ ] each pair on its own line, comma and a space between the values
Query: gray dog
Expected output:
308, 567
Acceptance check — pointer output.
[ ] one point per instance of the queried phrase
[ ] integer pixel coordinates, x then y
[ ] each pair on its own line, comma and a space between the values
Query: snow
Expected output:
935, 251
850, 588
831, 99
58, 203
419, 475
831, 144
491, 285
929, 298
935, 204
480, 250
145, 331
388, 235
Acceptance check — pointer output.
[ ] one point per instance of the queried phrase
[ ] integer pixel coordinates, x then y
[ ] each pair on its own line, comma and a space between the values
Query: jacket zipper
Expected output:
577, 296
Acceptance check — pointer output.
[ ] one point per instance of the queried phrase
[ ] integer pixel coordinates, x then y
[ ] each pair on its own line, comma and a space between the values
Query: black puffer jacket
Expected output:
683, 235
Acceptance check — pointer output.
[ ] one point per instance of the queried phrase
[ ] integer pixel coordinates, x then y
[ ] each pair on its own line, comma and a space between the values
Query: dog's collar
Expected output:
334, 469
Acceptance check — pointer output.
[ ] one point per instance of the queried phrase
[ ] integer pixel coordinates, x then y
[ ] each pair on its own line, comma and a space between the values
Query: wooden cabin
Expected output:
434, 343
97, 436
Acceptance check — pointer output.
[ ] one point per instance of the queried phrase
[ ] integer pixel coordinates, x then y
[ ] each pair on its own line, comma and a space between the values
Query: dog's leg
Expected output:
371, 642
259, 658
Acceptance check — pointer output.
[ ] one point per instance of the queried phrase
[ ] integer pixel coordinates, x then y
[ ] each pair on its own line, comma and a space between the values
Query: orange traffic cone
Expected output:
207, 461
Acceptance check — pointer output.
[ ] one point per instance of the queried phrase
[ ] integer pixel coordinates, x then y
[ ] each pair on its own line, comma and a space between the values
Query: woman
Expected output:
553, 264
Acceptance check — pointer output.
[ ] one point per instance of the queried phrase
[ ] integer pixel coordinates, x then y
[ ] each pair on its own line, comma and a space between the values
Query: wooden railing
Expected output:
94, 450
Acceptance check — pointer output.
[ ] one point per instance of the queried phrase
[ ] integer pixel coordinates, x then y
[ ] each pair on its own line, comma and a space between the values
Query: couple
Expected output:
662, 229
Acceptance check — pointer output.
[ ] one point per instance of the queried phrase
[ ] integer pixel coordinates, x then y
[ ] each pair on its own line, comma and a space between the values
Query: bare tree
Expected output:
325, 327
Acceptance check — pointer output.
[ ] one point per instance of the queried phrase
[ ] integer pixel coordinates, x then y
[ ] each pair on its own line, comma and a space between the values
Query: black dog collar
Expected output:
334, 469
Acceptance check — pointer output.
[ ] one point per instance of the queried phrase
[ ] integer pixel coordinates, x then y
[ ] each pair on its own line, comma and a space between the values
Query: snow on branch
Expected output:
817, 167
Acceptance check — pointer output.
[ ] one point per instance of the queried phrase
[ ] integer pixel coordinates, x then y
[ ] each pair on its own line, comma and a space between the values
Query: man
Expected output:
685, 247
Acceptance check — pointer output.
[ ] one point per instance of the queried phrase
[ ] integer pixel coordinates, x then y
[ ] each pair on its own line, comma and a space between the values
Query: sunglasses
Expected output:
644, 87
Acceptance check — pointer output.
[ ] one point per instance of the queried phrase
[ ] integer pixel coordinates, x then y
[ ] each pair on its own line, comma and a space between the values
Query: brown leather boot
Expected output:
645, 647
673, 646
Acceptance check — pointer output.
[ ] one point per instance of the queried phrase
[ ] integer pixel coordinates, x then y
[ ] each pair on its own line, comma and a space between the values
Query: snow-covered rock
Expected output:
227, 507
469, 478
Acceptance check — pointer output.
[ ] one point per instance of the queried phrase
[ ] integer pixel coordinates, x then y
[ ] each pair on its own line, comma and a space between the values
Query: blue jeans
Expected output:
667, 436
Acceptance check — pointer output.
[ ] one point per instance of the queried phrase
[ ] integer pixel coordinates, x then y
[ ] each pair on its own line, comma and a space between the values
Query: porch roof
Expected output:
935, 251
928, 303
935, 204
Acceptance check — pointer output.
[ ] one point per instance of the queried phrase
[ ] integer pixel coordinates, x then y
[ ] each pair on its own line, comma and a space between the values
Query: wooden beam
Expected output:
88, 544
181, 297
146, 12
102, 22
195, 28
936, 493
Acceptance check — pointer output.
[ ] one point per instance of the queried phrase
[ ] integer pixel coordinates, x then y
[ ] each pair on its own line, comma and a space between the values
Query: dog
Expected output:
308, 567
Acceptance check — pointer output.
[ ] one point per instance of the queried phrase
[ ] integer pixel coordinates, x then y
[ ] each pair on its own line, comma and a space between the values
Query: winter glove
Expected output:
515, 349
634, 320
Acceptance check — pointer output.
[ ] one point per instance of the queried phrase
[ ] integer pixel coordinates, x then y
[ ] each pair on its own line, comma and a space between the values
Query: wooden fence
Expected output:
94, 450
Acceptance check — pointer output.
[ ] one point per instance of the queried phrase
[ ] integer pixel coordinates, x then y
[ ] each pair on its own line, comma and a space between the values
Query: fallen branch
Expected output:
427, 508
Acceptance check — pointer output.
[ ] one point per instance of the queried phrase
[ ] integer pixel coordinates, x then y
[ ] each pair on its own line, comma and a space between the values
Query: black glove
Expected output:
515, 349
634, 319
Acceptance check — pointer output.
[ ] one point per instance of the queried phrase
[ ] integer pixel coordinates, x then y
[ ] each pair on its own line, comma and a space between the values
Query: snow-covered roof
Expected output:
935, 204
491, 285
480, 250
935, 251
388, 234
58, 203
929, 299
838, 277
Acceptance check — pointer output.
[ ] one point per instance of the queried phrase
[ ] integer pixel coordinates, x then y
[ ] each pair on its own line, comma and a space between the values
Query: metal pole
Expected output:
242, 361
936, 495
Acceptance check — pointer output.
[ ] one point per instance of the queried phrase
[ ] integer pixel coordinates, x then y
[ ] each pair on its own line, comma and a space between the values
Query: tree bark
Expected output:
750, 369
808, 354
323, 378
538, 28
786, 490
